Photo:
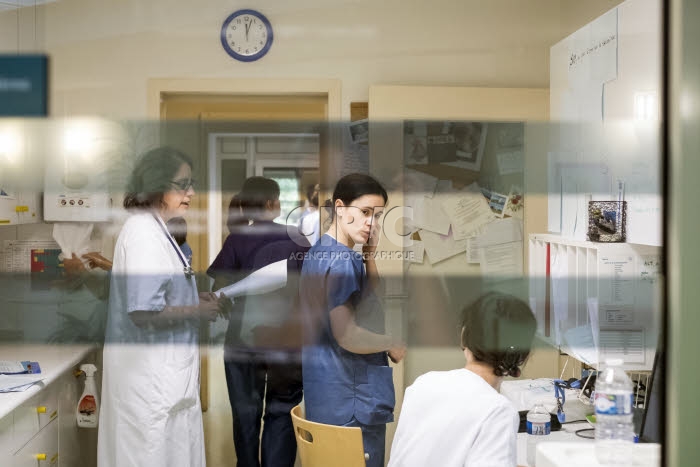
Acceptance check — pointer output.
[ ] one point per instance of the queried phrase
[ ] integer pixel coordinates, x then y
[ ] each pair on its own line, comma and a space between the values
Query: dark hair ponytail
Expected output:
353, 186
251, 200
498, 330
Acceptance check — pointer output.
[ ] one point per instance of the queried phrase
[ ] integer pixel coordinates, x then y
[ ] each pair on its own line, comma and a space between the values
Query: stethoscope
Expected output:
189, 272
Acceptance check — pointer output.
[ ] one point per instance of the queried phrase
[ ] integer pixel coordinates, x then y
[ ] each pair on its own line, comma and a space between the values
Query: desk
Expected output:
524, 393
565, 436
580, 455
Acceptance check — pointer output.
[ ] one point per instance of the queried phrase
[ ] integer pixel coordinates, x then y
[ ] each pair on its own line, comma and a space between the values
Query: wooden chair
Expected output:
323, 445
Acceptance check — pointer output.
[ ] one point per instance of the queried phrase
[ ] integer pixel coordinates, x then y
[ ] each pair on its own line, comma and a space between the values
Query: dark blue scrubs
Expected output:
341, 387
245, 250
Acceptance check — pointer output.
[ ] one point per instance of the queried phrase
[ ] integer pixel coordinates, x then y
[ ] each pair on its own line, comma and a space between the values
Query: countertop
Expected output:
54, 360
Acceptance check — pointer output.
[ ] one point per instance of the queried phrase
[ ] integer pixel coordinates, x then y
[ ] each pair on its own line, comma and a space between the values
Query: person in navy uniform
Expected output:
260, 362
347, 378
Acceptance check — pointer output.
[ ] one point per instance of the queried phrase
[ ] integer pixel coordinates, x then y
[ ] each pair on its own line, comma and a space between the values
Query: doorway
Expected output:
292, 160
192, 112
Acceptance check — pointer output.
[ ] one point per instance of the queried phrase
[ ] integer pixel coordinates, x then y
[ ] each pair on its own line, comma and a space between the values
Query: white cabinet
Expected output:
41, 430
597, 300
41, 451
35, 414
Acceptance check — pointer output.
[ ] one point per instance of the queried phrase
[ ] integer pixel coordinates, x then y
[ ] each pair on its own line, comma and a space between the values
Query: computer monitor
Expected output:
652, 429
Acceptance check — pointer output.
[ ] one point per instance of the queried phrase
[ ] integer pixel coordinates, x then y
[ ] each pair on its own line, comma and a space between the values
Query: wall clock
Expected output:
246, 35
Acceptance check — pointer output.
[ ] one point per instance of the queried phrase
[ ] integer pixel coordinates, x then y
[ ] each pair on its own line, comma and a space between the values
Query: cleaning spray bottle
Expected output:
88, 411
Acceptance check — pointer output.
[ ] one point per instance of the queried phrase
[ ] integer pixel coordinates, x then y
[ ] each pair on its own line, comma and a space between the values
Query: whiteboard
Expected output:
605, 90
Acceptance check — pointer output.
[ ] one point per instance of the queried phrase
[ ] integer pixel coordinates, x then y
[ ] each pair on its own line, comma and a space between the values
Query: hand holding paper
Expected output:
264, 280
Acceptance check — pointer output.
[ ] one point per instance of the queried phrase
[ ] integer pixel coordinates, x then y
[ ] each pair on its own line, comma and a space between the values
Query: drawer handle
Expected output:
41, 409
41, 457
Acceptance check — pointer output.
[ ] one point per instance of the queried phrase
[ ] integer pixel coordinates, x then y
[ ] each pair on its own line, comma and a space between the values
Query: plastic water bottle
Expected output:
614, 429
539, 425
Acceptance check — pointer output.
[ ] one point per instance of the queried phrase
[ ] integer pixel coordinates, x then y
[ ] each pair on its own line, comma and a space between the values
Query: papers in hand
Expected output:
264, 280
18, 383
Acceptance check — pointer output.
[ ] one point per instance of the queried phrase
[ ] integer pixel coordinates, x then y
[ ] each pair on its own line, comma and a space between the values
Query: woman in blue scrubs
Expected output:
347, 378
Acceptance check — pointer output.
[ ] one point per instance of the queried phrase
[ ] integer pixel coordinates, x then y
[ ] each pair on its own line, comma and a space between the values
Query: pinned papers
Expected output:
468, 211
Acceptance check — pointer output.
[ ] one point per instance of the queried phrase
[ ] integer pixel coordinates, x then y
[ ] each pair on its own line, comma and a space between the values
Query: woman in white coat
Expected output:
458, 418
151, 414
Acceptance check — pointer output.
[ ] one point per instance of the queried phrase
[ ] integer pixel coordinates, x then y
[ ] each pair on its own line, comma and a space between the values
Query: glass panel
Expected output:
292, 182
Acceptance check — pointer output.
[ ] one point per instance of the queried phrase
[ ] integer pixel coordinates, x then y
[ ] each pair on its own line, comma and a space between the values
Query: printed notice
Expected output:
617, 284
627, 345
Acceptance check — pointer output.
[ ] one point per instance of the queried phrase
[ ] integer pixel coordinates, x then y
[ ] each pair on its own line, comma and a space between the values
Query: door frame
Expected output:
330, 88
214, 214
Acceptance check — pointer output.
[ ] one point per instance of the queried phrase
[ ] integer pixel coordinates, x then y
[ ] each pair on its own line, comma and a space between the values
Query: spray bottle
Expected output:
88, 411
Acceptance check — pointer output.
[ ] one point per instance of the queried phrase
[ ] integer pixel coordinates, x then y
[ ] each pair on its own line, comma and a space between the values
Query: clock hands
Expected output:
247, 28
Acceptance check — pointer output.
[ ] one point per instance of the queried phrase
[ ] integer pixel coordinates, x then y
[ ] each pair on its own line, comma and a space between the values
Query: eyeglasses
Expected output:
184, 184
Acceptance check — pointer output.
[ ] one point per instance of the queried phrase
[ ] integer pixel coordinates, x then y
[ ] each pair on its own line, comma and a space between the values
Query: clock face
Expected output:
246, 35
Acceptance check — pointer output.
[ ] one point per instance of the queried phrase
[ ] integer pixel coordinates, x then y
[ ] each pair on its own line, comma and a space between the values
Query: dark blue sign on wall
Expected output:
24, 86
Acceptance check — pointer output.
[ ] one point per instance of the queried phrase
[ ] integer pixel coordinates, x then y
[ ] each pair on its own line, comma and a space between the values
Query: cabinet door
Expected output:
35, 414
40, 451
6, 445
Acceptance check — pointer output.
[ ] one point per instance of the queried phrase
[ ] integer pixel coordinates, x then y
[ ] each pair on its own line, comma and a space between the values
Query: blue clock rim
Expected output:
247, 58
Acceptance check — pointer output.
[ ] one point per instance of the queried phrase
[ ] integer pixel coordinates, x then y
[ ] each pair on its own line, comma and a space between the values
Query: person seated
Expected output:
458, 418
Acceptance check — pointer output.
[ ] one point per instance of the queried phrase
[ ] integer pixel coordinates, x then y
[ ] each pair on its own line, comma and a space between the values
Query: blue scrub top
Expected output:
338, 384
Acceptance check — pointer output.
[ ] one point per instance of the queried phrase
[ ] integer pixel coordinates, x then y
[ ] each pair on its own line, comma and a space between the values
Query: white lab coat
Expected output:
151, 413
455, 419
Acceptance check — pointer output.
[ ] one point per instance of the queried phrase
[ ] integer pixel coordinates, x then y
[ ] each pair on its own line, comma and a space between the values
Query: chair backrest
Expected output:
323, 445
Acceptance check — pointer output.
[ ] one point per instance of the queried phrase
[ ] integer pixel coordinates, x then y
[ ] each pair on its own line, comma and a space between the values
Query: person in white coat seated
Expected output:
151, 413
458, 418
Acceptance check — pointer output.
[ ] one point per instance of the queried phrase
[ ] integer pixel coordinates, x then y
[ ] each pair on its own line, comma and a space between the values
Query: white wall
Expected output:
102, 52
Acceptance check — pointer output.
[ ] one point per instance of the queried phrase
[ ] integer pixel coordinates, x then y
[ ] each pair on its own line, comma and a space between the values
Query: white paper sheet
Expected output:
468, 211
554, 214
415, 252
73, 237
419, 183
592, 305
503, 261
495, 233
559, 266
473, 251
581, 183
18, 383
617, 286
625, 344
428, 215
264, 280
510, 162
581, 345
500, 231
440, 247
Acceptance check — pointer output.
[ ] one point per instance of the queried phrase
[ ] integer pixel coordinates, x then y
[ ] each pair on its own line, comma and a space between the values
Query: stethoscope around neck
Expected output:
186, 267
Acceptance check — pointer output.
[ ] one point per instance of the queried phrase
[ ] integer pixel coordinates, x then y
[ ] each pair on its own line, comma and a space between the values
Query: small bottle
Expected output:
539, 425
88, 411
614, 429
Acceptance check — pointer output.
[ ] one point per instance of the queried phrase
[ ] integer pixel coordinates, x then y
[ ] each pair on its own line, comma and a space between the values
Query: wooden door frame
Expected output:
330, 88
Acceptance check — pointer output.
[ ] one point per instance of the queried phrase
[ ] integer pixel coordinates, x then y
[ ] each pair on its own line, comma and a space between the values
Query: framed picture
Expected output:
470, 139
359, 131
